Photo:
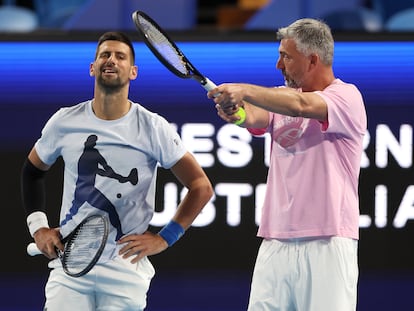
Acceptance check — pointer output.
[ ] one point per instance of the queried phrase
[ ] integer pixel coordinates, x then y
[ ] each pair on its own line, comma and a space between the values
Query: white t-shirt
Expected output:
312, 186
110, 166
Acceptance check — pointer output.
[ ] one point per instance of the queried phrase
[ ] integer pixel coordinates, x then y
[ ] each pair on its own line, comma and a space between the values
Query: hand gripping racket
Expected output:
170, 55
83, 246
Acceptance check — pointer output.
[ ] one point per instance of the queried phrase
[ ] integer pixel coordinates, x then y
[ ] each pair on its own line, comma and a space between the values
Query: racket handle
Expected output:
209, 85
32, 249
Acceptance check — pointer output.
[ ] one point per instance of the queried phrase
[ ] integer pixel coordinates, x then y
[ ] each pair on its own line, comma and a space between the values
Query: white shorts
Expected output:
305, 275
114, 286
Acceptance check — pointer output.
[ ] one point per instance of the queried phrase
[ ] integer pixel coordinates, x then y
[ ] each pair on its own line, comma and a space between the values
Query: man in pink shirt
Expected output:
308, 257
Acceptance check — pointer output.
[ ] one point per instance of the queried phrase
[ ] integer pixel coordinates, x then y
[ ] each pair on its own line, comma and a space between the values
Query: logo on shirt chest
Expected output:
287, 131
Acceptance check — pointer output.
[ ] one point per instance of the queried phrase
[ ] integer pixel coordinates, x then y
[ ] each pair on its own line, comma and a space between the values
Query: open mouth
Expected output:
108, 71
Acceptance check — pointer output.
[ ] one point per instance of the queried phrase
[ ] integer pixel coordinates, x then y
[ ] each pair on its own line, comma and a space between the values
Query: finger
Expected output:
219, 109
128, 252
50, 252
59, 246
229, 112
127, 247
213, 93
127, 238
122, 240
137, 258
225, 117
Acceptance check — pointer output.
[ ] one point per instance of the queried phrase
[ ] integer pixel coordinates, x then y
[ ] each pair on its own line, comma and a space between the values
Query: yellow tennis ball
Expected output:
242, 114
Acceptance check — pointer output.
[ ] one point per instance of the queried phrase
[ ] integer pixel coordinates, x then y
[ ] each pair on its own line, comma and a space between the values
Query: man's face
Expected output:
293, 64
113, 67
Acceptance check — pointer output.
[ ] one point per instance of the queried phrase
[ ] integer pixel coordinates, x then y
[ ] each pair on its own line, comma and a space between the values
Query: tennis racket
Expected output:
83, 246
170, 55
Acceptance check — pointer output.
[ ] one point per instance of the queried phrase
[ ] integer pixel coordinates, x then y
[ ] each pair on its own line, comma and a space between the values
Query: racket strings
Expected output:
84, 245
164, 46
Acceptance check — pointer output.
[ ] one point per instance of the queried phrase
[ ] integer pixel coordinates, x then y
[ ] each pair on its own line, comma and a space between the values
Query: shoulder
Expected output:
145, 115
66, 113
339, 86
343, 93
346, 108
71, 110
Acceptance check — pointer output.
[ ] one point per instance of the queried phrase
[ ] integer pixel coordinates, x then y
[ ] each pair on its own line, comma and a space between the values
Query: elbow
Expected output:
208, 191
205, 192
201, 191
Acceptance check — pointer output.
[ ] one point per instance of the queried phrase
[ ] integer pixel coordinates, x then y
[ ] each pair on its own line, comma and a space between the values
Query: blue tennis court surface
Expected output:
183, 291
213, 291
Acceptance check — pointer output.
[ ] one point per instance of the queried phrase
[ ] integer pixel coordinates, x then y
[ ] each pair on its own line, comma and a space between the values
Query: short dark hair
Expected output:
116, 36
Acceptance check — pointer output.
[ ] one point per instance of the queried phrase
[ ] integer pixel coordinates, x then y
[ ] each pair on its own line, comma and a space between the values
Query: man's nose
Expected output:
111, 58
279, 64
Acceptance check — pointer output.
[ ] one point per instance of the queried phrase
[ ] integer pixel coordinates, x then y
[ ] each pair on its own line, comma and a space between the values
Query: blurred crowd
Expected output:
350, 15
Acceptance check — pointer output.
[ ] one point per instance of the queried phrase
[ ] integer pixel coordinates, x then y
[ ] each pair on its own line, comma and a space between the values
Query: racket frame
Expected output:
32, 249
193, 73
72, 238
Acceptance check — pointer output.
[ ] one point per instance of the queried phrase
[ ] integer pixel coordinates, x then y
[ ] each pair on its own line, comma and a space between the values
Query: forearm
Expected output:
196, 198
284, 101
287, 101
192, 204
34, 196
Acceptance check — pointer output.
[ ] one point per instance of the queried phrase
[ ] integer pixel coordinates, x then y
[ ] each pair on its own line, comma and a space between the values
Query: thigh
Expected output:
65, 293
270, 287
122, 286
328, 275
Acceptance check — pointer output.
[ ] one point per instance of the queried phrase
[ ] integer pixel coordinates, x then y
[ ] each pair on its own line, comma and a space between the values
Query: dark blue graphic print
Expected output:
90, 164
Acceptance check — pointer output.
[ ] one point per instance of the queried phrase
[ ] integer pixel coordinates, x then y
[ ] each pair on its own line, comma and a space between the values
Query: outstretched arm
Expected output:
282, 100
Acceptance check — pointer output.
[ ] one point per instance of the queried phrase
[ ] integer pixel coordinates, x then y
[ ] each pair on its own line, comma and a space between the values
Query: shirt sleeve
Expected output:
167, 144
47, 145
262, 131
346, 111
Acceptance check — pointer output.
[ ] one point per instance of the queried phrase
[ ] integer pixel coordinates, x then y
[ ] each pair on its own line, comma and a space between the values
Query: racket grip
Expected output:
32, 249
209, 85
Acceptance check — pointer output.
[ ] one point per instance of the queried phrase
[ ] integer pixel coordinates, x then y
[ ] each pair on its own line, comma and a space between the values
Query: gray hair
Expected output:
310, 36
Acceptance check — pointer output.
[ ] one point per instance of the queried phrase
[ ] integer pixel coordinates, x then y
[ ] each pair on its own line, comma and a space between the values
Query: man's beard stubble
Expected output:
110, 87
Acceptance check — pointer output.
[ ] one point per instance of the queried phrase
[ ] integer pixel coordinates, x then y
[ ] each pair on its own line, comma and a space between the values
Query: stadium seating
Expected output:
17, 19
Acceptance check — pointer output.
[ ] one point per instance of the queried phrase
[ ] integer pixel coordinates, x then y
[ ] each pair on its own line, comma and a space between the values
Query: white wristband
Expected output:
35, 221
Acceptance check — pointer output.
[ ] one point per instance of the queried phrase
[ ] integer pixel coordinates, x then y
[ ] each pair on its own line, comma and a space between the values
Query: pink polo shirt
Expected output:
312, 184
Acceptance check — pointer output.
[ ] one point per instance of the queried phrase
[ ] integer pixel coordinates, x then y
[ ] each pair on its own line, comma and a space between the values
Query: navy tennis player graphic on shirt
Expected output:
92, 163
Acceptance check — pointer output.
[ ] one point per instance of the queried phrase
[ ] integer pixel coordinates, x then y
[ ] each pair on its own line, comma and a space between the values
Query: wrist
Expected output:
172, 232
35, 221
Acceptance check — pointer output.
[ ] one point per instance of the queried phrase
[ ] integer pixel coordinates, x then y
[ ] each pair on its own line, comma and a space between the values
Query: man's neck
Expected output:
110, 107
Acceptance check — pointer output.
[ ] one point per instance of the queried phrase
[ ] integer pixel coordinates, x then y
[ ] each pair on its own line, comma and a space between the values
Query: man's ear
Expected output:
134, 72
314, 59
91, 70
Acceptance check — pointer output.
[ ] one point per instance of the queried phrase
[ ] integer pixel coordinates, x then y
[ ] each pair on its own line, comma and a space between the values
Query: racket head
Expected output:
164, 48
84, 246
